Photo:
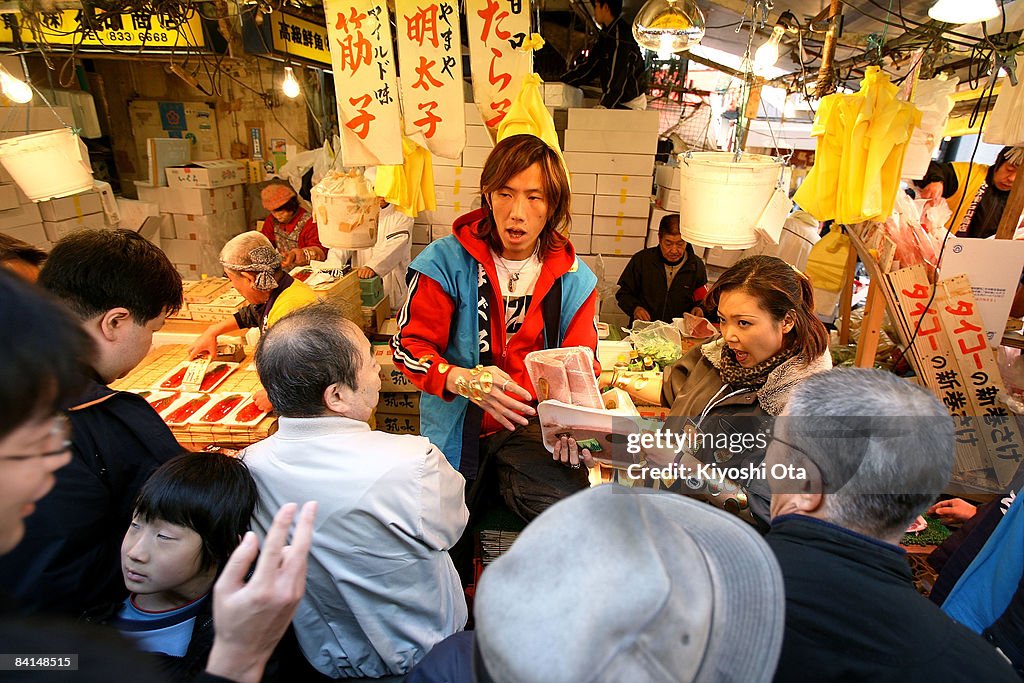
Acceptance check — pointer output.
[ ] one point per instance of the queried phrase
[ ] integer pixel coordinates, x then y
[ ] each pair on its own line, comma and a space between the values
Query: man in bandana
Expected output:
975, 193
290, 226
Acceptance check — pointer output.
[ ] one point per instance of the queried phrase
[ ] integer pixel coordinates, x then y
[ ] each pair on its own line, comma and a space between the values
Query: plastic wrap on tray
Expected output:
565, 375
246, 414
220, 406
216, 373
183, 410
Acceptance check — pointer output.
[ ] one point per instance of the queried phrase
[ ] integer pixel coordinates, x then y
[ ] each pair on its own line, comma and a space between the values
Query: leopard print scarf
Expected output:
754, 377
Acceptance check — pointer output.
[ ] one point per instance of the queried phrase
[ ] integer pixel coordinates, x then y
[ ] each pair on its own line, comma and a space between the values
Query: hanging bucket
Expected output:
346, 210
54, 163
721, 200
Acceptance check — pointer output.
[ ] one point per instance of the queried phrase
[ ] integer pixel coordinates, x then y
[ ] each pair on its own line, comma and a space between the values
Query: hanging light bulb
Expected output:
669, 25
768, 54
13, 88
665, 51
290, 87
964, 11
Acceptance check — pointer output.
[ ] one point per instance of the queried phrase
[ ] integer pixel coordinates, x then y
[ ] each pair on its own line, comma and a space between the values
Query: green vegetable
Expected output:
935, 534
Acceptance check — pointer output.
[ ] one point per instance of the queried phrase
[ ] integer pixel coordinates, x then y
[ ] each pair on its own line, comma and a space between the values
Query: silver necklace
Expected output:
513, 275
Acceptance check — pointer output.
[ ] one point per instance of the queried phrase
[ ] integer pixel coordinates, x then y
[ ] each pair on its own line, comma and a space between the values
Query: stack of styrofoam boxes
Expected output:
19, 216
68, 214
616, 148
203, 207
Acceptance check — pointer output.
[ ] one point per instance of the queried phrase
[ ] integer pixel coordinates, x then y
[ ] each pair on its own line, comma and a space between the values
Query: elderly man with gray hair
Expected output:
382, 589
854, 458
253, 266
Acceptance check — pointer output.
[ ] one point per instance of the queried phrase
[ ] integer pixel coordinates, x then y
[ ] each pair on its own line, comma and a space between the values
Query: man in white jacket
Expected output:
382, 589
390, 256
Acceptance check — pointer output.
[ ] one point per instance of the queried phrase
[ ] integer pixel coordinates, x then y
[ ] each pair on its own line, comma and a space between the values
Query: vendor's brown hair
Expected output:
779, 288
510, 157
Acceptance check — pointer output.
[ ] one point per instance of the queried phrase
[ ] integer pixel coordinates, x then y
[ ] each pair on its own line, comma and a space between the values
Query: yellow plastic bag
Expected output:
826, 264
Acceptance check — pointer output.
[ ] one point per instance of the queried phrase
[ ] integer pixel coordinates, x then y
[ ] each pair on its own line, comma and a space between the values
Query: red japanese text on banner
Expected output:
364, 77
497, 30
429, 55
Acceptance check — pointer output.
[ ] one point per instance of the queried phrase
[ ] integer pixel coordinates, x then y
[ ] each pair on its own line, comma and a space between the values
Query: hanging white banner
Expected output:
364, 80
497, 30
429, 56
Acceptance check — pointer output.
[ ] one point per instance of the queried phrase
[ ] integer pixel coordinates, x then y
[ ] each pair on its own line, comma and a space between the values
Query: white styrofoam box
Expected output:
620, 227
444, 215
474, 157
473, 117
23, 214
562, 95
622, 140
612, 244
457, 194
457, 175
420, 234
722, 258
9, 197
613, 119
626, 207
75, 206
33, 233
477, 136
612, 265
657, 213
167, 226
216, 227
208, 174
416, 249
668, 198
5, 177
582, 223
31, 119
612, 163
55, 230
437, 231
437, 161
667, 176
584, 183
200, 202
151, 229
624, 185
108, 201
582, 203
581, 243
135, 212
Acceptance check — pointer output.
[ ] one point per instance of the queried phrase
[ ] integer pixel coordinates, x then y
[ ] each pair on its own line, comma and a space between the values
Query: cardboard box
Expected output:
581, 242
75, 206
584, 183
611, 244
400, 403
582, 224
613, 120
23, 214
55, 230
722, 258
443, 215
193, 121
667, 176
397, 423
452, 175
439, 231
391, 378
221, 308
207, 174
182, 251
668, 198
622, 206
582, 203
371, 290
374, 316
612, 267
562, 95
458, 195
9, 198
220, 226
477, 136
474, 157
167, 226
611, 164
628, 185
622, 140
135, 212
619, 227
33, 233
34, 119
205, 291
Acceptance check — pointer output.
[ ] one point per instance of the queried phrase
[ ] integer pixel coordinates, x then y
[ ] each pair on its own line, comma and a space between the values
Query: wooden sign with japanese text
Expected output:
359, 34
429, 53
497, 30
96, 29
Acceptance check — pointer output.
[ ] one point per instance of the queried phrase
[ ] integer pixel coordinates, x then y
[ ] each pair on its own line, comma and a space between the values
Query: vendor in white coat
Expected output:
390, 256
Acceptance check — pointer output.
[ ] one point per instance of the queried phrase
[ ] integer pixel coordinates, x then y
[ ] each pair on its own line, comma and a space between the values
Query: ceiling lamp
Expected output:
290, 86
665, 26
768, 54
964, 11
13, 88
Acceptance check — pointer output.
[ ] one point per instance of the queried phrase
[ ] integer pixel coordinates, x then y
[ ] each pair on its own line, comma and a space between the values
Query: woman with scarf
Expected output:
290, 226
730, 388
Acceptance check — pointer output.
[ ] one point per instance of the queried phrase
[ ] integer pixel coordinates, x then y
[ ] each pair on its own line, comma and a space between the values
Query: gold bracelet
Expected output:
486, 381
462, 386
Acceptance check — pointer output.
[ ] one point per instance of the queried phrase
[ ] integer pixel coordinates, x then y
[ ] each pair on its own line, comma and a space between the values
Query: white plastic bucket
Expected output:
54, 163
346, 211
721, 200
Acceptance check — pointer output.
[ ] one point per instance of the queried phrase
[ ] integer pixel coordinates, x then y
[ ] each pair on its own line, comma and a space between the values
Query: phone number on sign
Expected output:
139, 37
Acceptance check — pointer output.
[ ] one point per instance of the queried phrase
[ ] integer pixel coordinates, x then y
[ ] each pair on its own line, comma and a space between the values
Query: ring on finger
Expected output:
505, 384
574, 467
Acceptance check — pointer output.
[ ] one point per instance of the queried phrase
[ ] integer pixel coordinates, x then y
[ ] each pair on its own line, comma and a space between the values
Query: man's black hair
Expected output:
305, 352
42, 352
13, 249
614, 5
211, 493
669, 225
94, 271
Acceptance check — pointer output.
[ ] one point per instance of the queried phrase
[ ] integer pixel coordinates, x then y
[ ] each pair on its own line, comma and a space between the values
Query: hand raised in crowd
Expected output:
365, 272
952, 511
640, 313
496, 401
251, 617
932, 192
262, 400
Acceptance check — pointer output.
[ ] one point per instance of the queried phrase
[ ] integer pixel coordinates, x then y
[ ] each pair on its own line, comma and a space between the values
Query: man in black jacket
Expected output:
663, 282
121, 287
868, 451
615, 59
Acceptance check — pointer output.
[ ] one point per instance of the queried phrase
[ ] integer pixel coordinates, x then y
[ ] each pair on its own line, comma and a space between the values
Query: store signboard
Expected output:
83, 29
299, 38
363, 59
429, 53
498, 30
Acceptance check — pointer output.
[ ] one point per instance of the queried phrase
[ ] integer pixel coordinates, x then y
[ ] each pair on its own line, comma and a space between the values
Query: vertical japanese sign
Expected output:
497, 30
429, 54
359, 34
